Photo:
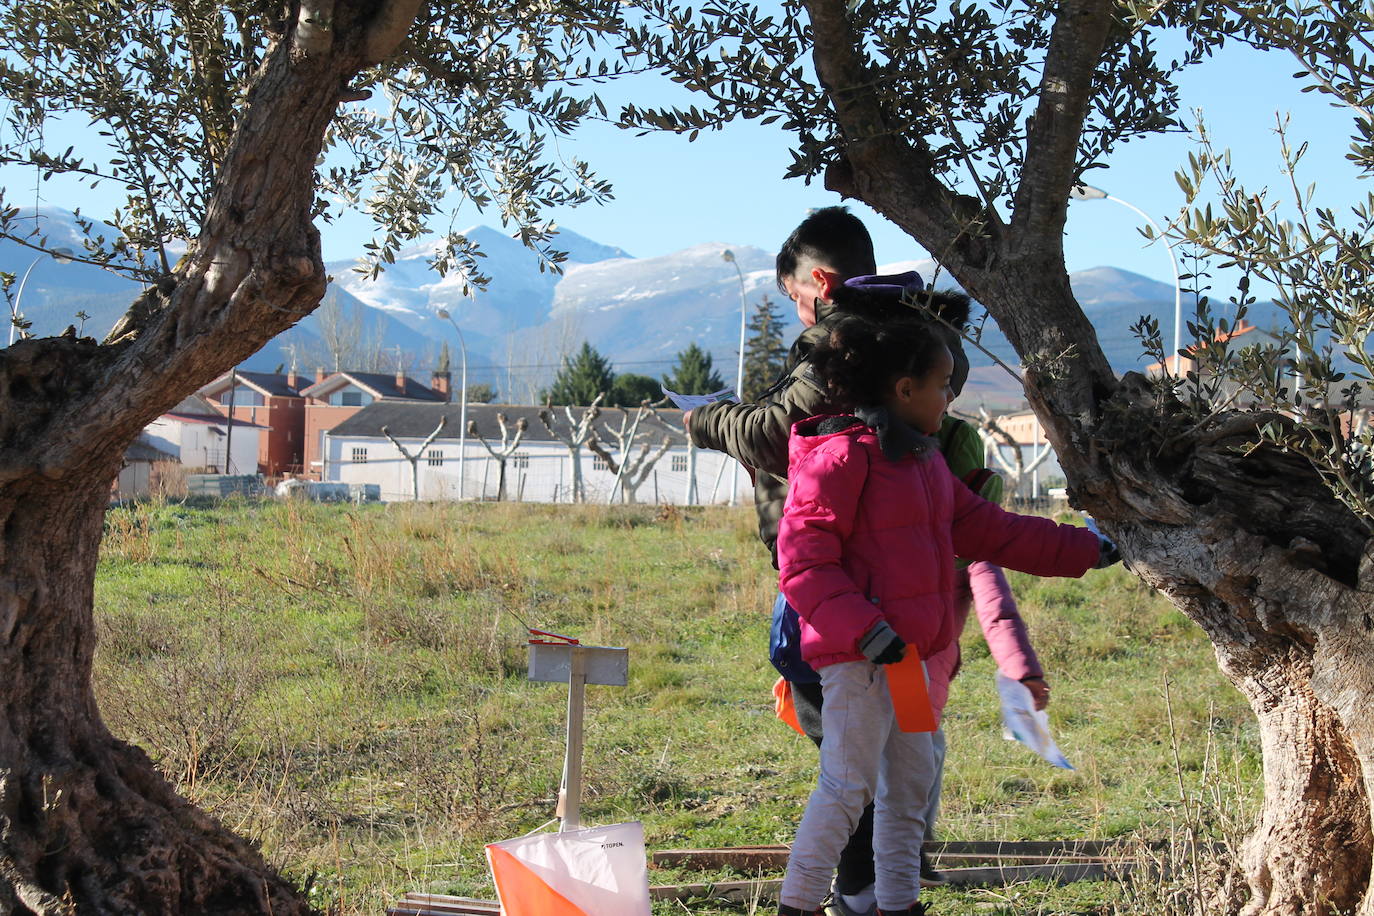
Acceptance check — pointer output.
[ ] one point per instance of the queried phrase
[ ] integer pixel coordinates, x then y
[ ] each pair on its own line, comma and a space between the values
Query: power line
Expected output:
616, 364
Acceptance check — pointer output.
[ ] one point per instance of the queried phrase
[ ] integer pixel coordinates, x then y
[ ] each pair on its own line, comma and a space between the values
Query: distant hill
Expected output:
638, 312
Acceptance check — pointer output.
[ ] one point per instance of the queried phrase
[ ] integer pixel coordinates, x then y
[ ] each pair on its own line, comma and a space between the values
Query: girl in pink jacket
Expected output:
866, 548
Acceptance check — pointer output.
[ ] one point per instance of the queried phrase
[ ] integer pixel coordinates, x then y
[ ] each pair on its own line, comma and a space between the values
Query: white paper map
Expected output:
693, 401
1023, 722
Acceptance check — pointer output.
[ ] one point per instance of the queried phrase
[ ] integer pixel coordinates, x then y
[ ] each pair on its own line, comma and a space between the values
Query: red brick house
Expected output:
338, 396
267, 399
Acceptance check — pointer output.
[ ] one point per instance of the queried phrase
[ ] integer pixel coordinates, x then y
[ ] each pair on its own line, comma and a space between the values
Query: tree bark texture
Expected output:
1247, 541
87, 824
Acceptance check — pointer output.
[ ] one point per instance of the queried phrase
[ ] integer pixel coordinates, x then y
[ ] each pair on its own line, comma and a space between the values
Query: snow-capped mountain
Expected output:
638, 312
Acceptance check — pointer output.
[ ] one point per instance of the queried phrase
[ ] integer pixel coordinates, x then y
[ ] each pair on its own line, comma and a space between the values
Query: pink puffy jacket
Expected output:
864, 538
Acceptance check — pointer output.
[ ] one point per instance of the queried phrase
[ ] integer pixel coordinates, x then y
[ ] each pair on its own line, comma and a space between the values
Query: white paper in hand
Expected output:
693, 401
1022, 722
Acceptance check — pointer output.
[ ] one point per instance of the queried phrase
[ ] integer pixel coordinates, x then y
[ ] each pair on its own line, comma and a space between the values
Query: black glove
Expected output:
881, 645
1107, 552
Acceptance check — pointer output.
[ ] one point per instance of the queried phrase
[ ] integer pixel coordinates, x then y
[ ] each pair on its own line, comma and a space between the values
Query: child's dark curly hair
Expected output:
945, 304
861, 359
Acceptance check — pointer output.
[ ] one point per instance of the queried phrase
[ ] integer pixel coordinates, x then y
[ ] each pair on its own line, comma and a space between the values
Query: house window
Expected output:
242, 396
522, 459
679, 464
350, 397
434, 458
360, 456
598, 463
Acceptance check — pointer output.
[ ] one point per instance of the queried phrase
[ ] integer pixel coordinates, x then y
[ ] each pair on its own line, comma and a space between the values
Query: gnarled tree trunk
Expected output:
87, 825
1249, 543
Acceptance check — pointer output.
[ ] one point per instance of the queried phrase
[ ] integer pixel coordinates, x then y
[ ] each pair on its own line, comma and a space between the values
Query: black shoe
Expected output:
930, 875
916, 909
785, 910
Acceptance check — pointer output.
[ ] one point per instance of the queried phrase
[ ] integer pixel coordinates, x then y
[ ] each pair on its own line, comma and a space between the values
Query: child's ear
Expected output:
904, 388
827, 281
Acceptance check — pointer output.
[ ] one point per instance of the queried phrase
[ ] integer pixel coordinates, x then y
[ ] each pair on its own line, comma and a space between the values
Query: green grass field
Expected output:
347, 686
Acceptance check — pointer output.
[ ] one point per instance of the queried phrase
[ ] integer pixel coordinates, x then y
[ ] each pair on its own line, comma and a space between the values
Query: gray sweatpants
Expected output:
865, 757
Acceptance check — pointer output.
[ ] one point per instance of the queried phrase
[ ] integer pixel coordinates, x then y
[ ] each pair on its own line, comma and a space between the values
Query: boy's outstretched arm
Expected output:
757, 434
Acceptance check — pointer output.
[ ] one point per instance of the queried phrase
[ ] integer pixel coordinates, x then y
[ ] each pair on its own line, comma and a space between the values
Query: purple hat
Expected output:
898, 285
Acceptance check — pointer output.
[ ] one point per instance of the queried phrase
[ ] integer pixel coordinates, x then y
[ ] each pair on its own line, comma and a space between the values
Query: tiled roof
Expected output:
273, 384
276, 385
378, 384
202, 420
143, 450
416, 421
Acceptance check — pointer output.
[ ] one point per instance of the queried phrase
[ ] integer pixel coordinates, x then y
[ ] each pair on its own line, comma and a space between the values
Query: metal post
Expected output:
691, 473
229, 437
462, 399
729, 256
570, 793
61, 256
1088, 192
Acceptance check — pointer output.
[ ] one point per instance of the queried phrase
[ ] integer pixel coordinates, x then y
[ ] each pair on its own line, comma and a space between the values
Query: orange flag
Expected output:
783, 705
595, 871
906, 682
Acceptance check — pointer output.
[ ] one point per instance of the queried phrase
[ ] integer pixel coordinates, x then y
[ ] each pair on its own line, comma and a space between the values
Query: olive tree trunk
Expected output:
1249, 543
87, 824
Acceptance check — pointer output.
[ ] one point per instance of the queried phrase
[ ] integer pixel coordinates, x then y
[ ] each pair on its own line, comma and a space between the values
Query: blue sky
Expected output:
727, 187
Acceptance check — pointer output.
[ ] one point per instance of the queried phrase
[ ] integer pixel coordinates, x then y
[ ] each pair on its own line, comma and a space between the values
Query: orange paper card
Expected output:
906, 681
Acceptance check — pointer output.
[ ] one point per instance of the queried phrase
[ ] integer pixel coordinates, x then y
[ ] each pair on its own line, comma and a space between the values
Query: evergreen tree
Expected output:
581, 379
481, 393
765, 352
693, 373
630, 389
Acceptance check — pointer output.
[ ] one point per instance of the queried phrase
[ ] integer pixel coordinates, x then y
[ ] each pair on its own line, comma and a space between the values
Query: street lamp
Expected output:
463, 400
61, 256
1088, 192
729, 257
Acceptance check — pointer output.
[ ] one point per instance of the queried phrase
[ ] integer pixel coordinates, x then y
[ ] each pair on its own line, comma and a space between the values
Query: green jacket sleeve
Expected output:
961, 446
757, 434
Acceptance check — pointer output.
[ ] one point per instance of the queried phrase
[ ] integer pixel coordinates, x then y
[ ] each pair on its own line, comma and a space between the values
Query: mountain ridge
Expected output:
637, 312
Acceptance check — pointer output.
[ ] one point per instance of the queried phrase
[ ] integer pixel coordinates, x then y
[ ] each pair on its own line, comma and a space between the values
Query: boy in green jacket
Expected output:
821, 264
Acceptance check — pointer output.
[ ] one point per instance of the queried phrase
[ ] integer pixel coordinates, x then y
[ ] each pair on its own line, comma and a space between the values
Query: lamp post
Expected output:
462, 400
1088, 192
61, 256
729, 257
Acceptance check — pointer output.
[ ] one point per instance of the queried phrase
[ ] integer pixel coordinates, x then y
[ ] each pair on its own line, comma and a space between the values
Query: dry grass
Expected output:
346, 685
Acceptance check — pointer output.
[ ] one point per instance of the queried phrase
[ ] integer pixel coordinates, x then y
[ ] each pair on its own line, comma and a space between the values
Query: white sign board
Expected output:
552, 662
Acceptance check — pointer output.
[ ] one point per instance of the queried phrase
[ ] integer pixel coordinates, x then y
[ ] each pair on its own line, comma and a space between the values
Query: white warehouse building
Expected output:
538, 468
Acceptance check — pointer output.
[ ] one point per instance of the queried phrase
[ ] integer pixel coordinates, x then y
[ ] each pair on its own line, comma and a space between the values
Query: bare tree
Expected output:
341, 333
414, 459
630, 469
969, 126
220, 118
574, 437
510, 441
995, 438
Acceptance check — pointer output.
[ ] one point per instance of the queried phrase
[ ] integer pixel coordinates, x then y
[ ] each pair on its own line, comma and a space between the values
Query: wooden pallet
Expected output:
985, 864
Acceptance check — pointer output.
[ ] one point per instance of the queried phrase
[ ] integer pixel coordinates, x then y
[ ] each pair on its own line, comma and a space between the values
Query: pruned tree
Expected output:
968, 125
510, 442
579, 430
413, 458
630, 469
995, 439
217, 116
